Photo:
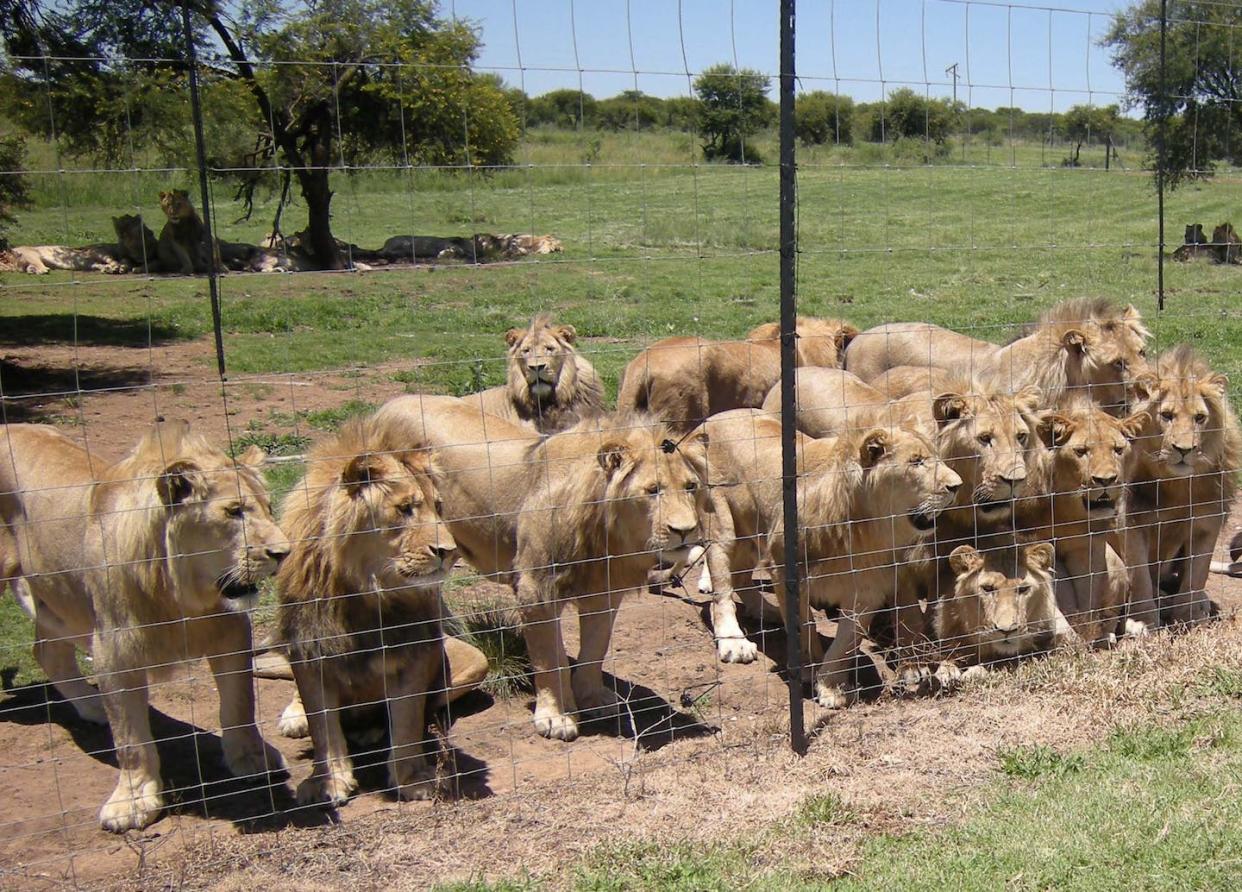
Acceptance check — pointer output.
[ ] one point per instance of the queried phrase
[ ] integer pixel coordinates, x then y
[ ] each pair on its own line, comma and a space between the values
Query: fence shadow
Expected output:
32, 393
92, 331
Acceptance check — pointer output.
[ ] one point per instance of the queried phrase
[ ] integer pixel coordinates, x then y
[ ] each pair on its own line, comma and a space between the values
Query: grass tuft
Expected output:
1030, 762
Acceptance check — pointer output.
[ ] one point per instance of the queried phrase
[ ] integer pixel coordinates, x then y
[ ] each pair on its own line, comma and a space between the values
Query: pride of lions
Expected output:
961, 502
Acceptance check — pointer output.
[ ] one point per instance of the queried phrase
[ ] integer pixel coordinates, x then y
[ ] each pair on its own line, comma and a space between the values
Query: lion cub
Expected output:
182, 246
1003, 604
360, 609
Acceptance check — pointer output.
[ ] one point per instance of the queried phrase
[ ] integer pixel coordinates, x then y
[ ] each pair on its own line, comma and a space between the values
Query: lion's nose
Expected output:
277, 552
536, 365
1016, 474
1103, 480
953, 487
684, 530
446, 553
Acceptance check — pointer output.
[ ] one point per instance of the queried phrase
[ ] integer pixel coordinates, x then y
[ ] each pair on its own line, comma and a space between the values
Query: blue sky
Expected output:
1035, 57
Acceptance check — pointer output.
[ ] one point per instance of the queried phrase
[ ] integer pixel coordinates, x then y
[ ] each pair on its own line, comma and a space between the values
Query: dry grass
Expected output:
890, 766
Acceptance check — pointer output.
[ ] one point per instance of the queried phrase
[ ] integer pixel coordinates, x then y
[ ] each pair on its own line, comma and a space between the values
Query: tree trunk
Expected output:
315, 189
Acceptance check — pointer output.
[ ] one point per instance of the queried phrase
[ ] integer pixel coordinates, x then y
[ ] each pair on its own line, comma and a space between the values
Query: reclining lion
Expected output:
114, 558
551, 386
684, 380
360, 604
580, 516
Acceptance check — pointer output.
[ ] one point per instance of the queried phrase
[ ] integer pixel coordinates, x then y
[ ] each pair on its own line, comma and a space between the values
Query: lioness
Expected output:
1002, 605
828, 401
1078, 345
137, 243
182, 245
360, 606
579, 516
145, 562
551, 386
1082, 477
41, 259
683, 380
864, 497
1184, 482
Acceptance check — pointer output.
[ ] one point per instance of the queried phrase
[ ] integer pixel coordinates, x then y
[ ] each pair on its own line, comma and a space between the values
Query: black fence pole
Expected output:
789, 317
200, 150
1161, 152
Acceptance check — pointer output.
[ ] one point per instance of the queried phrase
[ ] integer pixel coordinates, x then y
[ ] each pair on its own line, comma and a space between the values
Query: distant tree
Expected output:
14, 186
681, 113
821, 117
567, 109
629, 110
1090, 123
907, 115
1197, 111
734, 107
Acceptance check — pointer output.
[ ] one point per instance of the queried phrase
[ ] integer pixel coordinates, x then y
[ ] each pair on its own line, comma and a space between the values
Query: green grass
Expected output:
1153, 808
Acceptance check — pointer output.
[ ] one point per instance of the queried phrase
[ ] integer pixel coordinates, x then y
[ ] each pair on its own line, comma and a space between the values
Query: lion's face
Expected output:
540, 355
656, 497
1186, 414
1000, 611
176, 205
384, 523
1107, 354
906, 477
221, 537
989, 441
131, 233
1090, 449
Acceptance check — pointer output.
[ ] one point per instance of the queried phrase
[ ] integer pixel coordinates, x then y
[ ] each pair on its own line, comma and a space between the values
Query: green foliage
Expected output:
1197, 91
907, 115
14, 184
629, 110
496, 630
734, 107
823, 809
1036, 761
272, 444
569, 109
821, 117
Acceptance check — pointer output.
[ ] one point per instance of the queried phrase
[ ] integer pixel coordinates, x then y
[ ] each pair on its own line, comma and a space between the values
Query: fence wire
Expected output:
364, 466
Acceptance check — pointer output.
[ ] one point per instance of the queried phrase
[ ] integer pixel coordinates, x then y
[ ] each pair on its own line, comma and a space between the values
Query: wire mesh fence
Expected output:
355, 369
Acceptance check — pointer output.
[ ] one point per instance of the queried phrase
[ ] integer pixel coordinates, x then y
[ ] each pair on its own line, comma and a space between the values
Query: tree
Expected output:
391, 76
1197, 111
733, 106
568, 109
14, 187
1084, 123
821, 117
629, 110
907, 115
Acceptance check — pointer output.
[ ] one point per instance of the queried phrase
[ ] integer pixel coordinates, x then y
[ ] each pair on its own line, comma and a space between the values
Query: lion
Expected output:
521, 245
864, 498
182, 244
39, 260
580, 516
360, 603
1184, 481
551, 386
828, 400
684, 380
136, 242
1232, 567
174, 536
1082, 476
1003, 604
1077, 345
903, 380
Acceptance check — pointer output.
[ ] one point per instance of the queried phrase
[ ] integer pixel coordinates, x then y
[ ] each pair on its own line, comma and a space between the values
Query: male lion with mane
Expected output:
360, 603
579, 516
145, 563
550, 386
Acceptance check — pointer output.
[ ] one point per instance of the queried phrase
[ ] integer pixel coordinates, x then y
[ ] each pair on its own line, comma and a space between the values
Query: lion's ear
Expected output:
1039, 556
614, 455
950, 407
176, 483
875, 446
513, 335
1131, 314
253, 457
566, 333
1074, 340
696, 454
1029, 398
846, 334
1217, 382
1133, 426
965, 560
361, 471
1055, 429
1145, 385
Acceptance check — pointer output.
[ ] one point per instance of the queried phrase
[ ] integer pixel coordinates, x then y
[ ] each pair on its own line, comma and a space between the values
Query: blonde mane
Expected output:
578, 394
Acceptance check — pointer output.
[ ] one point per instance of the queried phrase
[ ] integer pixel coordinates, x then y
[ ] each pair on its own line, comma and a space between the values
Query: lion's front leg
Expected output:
596, 616
1191, 602
412, 775
246, 754
138, 797
832, 679
54, 650
554, 696
332, 772
732, 645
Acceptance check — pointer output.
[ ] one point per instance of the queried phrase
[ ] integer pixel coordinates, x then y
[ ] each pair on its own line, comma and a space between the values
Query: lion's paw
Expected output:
831, 696
598, 703
737, 650
412, 779
333, 788
556, 726
913, 678
246, 754
948, 675
132, 805
292, 721
1136, 629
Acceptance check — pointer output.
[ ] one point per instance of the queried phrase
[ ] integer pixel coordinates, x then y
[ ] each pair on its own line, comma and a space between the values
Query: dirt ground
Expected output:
710, 760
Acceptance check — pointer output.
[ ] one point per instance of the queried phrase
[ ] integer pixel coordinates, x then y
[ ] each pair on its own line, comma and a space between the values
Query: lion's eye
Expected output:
1167, 415
988, 588
1143, 353
439, 507
406, 508
653, 489
1024, 590
1081, 451
1021, 438
985, 439
1200, 418
918, 461
1119, 450
691, 486
235, 510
